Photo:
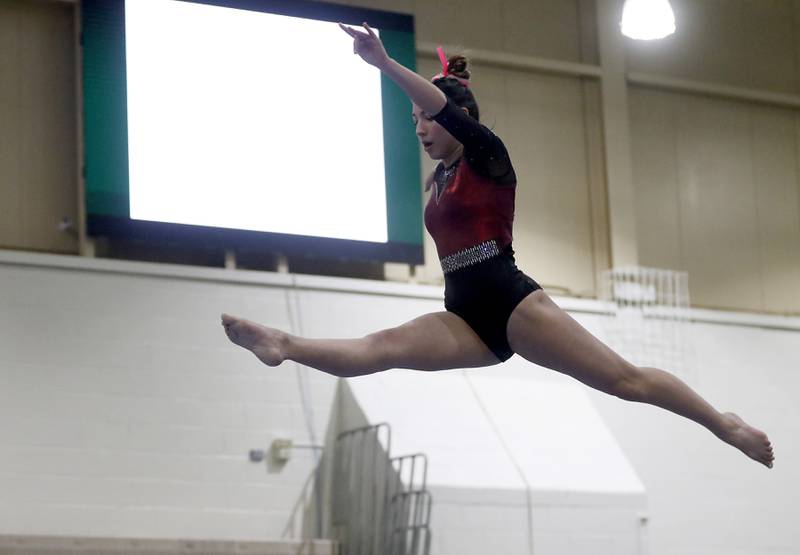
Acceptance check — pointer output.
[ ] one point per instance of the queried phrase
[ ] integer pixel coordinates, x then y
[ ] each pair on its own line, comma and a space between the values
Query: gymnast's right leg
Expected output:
435, 341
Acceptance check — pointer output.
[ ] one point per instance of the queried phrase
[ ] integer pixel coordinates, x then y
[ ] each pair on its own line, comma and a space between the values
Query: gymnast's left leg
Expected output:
541, 332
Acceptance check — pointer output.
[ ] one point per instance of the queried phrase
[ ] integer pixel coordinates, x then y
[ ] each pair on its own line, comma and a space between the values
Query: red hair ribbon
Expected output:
445, 72
443, 59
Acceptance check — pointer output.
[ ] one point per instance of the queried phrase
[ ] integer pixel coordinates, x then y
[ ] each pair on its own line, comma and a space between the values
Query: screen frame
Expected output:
105, 152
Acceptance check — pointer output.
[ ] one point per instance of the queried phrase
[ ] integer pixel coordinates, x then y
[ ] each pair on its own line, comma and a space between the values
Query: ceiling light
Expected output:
647, 19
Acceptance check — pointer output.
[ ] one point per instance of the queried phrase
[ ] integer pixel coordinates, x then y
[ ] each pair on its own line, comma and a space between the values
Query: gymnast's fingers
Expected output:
369, 30
352, 32
346, 30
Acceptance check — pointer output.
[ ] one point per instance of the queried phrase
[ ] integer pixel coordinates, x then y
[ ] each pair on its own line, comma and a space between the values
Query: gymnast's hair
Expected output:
454, 89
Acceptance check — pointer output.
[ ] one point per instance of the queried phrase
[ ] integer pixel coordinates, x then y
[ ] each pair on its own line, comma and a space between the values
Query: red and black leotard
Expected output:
476, 204
470, 216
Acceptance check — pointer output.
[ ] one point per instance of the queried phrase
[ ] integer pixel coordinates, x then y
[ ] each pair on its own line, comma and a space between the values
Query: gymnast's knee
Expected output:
632, 386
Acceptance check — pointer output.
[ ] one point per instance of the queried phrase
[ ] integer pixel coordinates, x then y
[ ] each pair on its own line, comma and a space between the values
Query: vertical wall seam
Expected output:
590, 185
510, 454
599, 256
676, 153
794, 50
797, 164
753, 177
587, 147
579, 20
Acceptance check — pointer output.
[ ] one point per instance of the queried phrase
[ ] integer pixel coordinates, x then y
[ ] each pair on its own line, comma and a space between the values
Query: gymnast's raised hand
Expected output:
368, 46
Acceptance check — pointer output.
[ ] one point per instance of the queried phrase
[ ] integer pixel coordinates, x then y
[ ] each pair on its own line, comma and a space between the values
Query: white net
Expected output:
651, 317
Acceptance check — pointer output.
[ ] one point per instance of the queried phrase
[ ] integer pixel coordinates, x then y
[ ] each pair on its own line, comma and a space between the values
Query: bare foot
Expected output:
268, 344
752, 442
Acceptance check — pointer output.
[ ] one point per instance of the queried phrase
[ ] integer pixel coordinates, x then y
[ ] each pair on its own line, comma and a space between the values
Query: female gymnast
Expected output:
493, 310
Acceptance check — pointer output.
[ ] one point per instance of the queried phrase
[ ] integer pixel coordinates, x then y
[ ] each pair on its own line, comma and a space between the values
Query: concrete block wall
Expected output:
124, 412
22, 545
127, 413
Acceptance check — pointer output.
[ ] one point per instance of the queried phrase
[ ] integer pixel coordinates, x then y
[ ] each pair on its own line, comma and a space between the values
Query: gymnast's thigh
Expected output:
434, 341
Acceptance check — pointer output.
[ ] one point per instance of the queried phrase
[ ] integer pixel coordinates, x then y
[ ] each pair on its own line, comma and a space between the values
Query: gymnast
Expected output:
493, 309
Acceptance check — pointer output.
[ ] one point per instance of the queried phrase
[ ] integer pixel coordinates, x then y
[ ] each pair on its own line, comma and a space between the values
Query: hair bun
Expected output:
457, 65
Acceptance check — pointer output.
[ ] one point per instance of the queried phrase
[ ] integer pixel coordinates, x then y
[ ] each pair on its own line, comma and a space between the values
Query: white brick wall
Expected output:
49, 545
124, 411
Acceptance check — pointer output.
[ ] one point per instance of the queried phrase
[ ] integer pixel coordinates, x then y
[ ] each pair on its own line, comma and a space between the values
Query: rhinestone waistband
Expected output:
469, 256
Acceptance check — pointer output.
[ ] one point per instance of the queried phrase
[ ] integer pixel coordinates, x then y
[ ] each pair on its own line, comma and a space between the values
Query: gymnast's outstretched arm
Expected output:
422, 92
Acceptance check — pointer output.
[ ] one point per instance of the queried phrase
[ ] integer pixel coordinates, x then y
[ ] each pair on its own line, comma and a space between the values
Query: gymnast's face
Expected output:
438, 143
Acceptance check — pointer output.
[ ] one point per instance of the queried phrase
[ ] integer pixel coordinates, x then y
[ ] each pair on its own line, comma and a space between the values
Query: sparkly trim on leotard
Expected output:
470, 256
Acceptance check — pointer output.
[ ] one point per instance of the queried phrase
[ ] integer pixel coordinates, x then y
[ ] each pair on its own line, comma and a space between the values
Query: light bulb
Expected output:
647, 19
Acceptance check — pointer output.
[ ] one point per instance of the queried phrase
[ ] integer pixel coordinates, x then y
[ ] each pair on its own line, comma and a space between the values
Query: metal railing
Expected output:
409, 514
380, 504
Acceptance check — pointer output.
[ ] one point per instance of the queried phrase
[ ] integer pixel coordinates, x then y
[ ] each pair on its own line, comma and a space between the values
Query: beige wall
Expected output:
716, 182
38, 180
745, 43
717, 196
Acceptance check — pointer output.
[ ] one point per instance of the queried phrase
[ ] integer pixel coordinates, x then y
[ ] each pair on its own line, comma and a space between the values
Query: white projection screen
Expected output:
236, 118
252, 121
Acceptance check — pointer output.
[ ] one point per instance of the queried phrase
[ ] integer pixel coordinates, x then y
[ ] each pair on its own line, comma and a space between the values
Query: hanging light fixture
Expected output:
647, 19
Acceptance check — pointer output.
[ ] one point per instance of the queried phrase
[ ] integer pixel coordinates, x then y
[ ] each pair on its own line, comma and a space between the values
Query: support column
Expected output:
616, 135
